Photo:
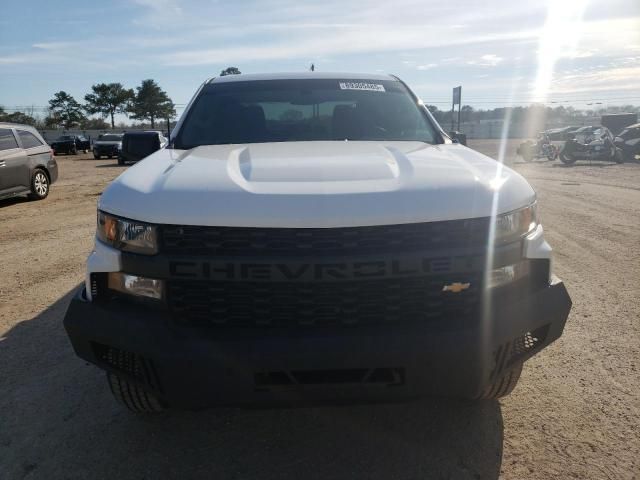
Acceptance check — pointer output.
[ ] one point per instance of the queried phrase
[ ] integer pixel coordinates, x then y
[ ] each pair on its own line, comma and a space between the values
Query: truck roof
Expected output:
300, 76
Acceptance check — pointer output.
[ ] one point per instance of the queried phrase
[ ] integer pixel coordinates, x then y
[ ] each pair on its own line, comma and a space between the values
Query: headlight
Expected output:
127, 235
514, 225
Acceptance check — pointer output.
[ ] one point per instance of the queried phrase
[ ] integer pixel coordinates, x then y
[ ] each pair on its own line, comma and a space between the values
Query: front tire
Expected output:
39, 185
567, 158
120, 161
132, 396
503, 385
619, 157
97, 157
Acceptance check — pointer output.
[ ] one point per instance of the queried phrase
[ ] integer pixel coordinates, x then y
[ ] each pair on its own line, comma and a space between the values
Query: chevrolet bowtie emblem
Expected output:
456, 287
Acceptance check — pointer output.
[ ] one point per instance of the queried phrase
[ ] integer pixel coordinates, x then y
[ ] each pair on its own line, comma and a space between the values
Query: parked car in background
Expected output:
590, 143
138, 145
27, 164
628, 141
107, 145
71, 144
560, 134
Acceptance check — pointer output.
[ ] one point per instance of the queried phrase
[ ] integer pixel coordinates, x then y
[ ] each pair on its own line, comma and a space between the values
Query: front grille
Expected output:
307, 304
240, 241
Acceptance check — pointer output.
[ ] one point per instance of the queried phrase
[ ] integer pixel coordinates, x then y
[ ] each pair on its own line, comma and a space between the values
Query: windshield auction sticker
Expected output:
372, 87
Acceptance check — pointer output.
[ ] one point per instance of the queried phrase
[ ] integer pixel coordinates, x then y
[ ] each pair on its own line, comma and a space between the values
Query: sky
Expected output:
502, 52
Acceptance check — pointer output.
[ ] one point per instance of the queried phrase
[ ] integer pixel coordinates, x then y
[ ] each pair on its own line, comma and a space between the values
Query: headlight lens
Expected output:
127, 235
516, 224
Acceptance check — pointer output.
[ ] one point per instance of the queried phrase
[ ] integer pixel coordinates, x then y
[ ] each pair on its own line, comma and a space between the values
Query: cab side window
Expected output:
28, 139
7, 140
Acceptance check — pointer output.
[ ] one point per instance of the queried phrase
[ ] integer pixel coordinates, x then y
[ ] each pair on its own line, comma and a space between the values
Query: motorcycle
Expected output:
590, 143
542, 147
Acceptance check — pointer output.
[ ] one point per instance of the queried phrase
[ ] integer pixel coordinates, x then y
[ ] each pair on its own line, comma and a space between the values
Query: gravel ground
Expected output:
575, 414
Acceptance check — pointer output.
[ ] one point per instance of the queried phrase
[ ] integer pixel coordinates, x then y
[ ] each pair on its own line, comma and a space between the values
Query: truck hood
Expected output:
315, 184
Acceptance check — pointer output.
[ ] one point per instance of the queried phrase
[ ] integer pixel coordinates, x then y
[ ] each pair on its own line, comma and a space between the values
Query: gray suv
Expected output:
27, 164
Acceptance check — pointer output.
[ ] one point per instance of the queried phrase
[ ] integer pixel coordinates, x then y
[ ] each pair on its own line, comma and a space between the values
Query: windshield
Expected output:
110, 138
65, 137
304, 110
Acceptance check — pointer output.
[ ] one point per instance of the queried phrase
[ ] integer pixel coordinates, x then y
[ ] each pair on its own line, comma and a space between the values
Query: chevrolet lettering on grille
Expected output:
288, 271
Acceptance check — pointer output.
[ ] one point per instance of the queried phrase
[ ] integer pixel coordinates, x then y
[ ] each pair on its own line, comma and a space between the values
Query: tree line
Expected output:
521, 114
148, 102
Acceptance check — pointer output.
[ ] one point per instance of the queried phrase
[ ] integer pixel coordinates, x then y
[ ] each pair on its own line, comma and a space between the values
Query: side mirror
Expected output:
458, 137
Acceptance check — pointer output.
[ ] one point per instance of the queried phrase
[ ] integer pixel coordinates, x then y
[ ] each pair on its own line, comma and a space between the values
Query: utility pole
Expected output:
457, 97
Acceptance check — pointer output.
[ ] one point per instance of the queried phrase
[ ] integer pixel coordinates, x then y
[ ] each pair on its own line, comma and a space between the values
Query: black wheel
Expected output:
567, 158
120, 160
39, 185
132, 396
619, 156
503, 385
97, 157
109, 156
74, 151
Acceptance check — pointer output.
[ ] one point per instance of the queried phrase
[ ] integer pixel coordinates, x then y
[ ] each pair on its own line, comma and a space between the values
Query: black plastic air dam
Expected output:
196, 367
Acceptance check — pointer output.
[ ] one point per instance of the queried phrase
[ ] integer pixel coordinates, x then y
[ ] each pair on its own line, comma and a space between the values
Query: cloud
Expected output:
364, 39
600, 80
52, 45
427, 66
488, 60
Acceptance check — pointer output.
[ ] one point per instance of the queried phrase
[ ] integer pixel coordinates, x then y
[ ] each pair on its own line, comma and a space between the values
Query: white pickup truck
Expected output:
314, 237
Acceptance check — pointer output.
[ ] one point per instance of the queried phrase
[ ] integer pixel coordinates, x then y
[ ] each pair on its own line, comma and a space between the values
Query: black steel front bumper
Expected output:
193, 367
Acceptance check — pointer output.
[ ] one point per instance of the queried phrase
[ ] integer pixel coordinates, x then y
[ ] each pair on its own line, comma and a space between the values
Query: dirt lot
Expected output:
575, 414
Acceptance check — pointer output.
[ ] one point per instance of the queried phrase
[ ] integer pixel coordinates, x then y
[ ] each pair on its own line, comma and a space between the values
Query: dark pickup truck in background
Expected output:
70, 144
138, 145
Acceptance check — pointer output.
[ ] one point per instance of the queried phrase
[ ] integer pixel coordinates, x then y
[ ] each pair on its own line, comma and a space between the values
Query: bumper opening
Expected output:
134, 366
353, 376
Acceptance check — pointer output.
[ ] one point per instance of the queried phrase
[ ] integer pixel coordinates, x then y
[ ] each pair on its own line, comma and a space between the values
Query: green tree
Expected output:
65, 110
16, 117
230, 71
108, 99
151, 103
94, 124
466, 113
